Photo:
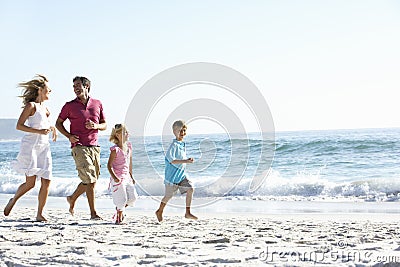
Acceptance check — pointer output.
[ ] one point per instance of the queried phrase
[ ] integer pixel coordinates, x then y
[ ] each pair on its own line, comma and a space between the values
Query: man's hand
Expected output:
73, 138
91, 125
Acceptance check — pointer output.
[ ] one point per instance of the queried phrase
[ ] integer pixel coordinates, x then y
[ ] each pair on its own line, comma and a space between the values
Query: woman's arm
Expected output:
54, 135
29, 110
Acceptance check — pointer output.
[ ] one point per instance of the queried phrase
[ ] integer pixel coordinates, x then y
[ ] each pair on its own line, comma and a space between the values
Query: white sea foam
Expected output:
310, 187
354, 165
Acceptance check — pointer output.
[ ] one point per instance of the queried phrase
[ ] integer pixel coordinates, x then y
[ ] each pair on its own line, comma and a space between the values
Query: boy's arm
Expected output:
181, 161
171, 156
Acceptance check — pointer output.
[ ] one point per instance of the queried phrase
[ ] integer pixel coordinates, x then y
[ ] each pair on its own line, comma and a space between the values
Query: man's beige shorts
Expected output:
183, 187
87, 161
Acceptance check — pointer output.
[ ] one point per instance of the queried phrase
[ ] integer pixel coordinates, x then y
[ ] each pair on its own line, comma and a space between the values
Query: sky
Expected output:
318, 64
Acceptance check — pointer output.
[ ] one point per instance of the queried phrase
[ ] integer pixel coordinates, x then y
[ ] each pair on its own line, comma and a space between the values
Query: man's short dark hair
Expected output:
85, 81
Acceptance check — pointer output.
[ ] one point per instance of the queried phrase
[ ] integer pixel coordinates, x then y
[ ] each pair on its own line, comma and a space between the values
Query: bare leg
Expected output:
22, 189
72, 198
42, 198
160, 210
90, 197
189, 196
120, 217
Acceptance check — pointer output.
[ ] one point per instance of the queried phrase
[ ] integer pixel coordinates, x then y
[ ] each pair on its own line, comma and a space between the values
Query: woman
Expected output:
34, 159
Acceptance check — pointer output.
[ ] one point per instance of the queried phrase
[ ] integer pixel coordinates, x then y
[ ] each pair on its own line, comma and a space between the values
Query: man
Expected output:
86, 118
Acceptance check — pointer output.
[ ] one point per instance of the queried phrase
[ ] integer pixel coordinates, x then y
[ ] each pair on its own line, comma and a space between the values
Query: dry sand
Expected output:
214, 240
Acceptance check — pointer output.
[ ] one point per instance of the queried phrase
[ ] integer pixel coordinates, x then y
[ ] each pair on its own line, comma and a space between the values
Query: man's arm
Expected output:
102, 125
60, 127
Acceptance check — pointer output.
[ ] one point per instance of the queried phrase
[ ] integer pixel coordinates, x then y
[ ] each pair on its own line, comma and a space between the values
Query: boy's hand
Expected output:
190, 160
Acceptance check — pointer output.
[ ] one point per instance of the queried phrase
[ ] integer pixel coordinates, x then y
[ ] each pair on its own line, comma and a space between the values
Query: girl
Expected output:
34, 159
120, 167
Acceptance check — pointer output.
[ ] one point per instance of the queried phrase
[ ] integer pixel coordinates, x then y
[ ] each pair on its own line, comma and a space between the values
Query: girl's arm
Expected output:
29, 110
111, 159
130, 168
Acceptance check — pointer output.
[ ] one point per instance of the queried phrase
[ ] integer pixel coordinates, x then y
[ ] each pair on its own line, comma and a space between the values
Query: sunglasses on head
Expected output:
117, 126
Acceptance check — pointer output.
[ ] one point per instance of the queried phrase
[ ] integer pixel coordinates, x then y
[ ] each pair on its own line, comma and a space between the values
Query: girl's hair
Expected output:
31, 88
117, 128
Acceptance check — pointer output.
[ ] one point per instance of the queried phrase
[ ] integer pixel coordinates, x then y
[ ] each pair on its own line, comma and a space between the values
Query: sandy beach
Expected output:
216, 239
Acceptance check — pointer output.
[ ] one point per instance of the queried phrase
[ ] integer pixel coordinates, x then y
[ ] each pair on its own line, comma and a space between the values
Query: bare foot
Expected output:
96, 217
190, 216
159, 215
9, 207
71, 205
120, 219
40, 218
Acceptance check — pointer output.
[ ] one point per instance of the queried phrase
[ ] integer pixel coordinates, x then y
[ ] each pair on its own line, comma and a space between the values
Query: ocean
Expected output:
361, 165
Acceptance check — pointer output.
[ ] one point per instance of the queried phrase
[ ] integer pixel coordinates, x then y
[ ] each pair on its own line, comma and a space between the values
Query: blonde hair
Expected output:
117, 128
179, 124
31, 88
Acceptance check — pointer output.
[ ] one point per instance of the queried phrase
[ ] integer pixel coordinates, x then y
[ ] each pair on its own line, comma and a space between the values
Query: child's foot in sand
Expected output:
120, 223
40, 218
96, 217
159, 215
190, 216
71, 205
9, 207
120, 219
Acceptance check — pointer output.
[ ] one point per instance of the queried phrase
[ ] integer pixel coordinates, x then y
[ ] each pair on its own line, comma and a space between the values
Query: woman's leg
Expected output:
42, 198
22, 189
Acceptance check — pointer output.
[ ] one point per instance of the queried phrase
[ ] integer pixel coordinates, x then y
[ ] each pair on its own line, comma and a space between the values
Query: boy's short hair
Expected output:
179, 124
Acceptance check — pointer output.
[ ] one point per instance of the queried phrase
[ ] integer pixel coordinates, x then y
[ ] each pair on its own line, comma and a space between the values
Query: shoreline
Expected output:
368, 237
227, 206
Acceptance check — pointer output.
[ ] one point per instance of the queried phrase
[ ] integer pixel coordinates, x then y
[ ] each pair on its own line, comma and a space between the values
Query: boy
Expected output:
175, 174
